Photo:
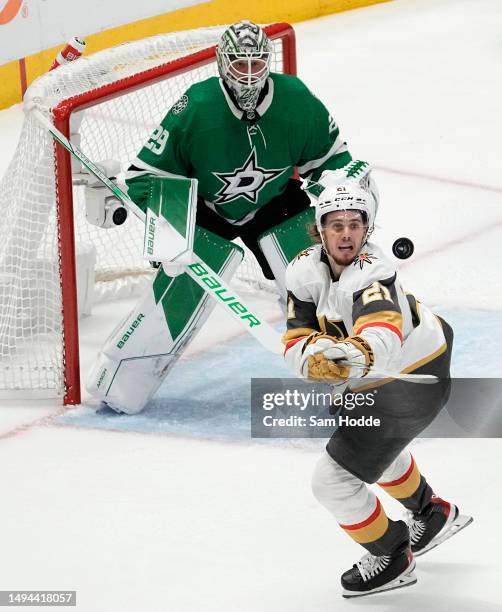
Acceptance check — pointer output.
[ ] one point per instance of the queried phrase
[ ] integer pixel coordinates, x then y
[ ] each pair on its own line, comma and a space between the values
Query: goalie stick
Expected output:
199, 271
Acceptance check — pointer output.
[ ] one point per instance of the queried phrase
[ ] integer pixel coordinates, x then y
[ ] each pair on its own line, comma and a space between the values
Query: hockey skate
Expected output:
438, 522
384, 573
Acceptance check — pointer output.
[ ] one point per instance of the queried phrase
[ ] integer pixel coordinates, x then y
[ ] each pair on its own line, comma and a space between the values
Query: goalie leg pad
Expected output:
282, 243
141, 350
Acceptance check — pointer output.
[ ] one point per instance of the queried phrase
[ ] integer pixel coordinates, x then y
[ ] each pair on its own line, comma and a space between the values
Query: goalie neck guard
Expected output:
243, 55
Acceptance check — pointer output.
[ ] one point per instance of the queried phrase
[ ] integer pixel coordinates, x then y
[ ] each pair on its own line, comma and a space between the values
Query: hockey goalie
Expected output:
238, 139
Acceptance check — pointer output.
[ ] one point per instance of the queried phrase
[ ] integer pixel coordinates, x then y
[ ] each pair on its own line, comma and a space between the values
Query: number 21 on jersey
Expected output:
376, 291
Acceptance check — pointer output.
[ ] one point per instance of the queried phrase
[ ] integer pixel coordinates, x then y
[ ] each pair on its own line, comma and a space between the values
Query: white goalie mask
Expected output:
243, 55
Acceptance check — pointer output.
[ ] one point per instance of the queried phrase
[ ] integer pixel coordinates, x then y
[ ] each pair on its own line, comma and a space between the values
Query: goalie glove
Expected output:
357, 171
326, 359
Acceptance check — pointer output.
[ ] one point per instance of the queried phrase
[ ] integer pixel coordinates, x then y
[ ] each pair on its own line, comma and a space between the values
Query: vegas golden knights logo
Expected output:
363, 258
304, 253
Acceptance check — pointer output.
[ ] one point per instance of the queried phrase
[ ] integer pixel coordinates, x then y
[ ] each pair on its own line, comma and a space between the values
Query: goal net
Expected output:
107, 104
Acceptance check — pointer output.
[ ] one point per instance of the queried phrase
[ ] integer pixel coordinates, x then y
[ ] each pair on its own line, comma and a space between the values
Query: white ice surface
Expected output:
136, 520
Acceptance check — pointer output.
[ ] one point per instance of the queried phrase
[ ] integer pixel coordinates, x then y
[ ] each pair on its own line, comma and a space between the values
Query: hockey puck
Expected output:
403, 248
119, 215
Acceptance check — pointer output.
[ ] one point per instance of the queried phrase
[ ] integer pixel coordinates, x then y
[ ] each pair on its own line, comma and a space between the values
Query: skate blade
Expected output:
457, 525
407, 578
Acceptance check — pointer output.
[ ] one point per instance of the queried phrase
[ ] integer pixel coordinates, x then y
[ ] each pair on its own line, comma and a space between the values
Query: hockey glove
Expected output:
328, 360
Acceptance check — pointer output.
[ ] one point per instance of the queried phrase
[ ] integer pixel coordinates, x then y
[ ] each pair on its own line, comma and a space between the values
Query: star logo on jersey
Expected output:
363, 258
246, 181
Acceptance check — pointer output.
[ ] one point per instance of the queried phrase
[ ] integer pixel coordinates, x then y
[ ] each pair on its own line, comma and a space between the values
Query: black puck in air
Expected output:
403, 248
119, 215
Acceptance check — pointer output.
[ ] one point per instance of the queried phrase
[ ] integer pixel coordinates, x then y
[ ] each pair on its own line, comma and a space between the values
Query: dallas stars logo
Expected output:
246, 181
363, 258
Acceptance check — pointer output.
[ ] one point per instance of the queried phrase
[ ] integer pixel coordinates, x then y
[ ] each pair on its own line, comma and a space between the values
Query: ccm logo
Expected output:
9, 11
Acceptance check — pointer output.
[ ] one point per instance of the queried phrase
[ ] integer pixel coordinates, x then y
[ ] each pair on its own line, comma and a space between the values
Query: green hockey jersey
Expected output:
241, 164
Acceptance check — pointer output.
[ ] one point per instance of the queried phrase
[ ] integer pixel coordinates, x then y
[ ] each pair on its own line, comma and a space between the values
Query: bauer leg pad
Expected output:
141, 350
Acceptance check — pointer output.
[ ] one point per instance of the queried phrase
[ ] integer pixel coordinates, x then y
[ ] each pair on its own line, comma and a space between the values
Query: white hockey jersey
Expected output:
368, 301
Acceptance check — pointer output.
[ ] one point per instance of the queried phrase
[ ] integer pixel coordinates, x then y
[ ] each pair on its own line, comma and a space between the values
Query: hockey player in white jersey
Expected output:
347, 315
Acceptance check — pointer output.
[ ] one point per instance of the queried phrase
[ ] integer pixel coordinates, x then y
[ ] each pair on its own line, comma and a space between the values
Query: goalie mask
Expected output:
243, 55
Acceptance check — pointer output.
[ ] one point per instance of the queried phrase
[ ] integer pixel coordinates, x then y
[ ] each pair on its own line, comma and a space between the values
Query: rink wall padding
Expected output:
15, 75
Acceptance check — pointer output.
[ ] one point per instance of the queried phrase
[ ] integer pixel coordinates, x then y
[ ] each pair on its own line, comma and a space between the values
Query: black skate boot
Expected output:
437, 522
374, 574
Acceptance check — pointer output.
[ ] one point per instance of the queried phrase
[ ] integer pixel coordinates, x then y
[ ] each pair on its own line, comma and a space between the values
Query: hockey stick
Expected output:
198, 271
425, 379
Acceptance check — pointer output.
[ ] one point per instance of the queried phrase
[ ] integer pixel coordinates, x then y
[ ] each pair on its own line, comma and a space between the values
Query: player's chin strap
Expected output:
198, 270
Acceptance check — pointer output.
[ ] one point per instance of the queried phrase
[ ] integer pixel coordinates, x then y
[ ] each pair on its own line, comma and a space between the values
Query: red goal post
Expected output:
107, 104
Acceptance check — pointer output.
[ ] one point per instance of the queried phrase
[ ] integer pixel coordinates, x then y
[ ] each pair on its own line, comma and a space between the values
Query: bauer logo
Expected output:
150, 236
131, 330
101, 378
224, 295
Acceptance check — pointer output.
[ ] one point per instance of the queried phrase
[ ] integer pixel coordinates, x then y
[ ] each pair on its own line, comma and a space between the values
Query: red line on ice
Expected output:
440, 179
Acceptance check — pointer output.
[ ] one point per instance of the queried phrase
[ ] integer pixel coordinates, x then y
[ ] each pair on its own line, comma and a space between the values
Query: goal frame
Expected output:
64, 186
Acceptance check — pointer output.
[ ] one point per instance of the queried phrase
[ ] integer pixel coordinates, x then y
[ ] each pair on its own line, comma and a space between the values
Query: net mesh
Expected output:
31, 319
